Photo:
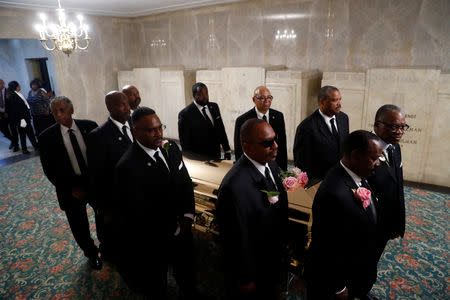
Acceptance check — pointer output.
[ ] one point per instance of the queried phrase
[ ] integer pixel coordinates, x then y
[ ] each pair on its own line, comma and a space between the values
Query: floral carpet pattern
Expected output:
39, 258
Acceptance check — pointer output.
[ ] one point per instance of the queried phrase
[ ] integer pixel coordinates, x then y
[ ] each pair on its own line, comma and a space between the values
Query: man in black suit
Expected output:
4, 121
63, 158
200, 126
253, 225
262, 100
155, 197
134, 99
342, 259
319, 136
388, 179
106, 145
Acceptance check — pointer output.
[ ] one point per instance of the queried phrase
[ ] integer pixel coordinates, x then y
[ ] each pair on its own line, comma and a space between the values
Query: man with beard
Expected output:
134, 99
317, 144
200, 126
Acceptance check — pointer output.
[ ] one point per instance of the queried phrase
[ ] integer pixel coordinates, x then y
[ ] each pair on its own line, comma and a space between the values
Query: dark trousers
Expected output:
42, 122
76, 213
4, 127
105, 235
17, 131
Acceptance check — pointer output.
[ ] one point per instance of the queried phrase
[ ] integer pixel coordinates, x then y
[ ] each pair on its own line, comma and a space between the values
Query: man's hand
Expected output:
227, 155
79, 193
342, 295
248, 287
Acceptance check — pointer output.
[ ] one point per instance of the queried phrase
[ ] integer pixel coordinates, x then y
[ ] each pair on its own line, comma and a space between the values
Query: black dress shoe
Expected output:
95, 263
25, 151
16, 148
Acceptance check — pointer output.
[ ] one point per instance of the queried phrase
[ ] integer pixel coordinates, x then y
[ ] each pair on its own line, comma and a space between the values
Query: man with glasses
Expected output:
252, 219
390, 126
262, 100
317, 144
200, 127
156, 199
106, 145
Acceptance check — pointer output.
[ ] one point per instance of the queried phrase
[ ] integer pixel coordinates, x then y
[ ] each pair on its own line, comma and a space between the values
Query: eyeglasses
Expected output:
395, 127
267, 143
153, 130
262, 98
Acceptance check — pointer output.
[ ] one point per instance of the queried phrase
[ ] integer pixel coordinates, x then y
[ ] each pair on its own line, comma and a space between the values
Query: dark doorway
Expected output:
37, 68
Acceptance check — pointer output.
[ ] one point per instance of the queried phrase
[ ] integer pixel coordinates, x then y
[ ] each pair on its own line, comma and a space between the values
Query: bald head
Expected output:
132, 93
117, 105
262, 99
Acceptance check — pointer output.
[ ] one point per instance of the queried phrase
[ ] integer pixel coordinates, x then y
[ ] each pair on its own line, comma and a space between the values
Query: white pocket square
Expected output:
180, 166
401, 164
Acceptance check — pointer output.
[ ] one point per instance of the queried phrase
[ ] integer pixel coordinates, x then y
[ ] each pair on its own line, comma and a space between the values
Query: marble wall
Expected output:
424, 95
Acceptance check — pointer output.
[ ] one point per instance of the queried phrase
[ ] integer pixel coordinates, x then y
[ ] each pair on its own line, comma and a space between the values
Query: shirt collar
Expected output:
119, 125
149, 151
199, 106
65, 130
326, 118
352, 174
260, 115
261, 168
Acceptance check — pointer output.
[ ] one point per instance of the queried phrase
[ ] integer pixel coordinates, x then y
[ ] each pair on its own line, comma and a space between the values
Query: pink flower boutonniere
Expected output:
294, 179
363, 195
165, 145
272, 196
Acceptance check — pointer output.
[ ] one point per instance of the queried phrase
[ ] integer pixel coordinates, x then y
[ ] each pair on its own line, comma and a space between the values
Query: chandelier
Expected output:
65, 37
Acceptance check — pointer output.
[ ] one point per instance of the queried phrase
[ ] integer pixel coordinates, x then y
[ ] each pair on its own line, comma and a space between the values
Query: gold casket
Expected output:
207, 176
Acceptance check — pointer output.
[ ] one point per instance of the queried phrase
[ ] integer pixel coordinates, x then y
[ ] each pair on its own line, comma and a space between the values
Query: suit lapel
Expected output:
257, 177
82, 130
323, 129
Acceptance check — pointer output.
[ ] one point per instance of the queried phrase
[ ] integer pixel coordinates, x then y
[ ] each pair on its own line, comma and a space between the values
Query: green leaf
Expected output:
270, 193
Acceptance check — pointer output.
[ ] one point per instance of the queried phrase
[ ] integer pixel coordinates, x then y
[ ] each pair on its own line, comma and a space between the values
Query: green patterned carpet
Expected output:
40, 260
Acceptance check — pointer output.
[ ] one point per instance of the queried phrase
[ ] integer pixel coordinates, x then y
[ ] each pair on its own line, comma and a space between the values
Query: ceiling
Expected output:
118, 8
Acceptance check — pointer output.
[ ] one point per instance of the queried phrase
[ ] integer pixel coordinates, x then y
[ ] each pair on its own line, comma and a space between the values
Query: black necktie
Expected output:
390, 153
78, 154
335, 134
269, 182
206, 116
125, 133
371, 208
160, 162
264, 118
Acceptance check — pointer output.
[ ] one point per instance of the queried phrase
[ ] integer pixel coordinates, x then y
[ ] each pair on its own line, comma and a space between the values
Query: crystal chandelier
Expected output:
65, 37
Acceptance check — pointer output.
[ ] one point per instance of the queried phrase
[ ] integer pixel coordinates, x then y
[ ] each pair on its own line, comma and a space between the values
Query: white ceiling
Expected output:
118, 8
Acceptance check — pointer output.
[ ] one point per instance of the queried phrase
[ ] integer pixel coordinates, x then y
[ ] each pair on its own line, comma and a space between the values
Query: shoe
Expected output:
25, 151
95, 263
16, 148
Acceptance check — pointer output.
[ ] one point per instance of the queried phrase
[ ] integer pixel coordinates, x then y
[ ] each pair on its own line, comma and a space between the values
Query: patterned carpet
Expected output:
40, 260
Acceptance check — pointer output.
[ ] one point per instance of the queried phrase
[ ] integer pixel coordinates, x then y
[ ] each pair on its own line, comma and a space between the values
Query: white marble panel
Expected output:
124, 78
416, 92
352, 88
292, 90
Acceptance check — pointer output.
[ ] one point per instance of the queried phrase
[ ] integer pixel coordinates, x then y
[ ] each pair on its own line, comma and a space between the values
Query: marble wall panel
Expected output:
125, 78
416, 92
352, 88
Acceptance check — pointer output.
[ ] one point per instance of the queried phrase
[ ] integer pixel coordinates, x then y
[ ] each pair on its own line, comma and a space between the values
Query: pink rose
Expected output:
273, 199
164, 142
290, 183
363, 194
296, 171
302, 179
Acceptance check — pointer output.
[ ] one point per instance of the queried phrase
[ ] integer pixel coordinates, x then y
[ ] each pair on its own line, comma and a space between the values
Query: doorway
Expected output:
37, 68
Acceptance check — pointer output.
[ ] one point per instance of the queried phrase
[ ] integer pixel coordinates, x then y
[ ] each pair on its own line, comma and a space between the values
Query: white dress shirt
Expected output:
327, 121
69, 148
120, 125
385, 146
262, 169
260, 115
23, 98
208, 113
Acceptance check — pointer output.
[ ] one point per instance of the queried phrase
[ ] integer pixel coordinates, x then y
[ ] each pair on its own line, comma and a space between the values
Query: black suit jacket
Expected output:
342, 251
197, 135
150, 201
106, 145
56, 162
252, 230
315, 149
16, 109
276, 120
388, 183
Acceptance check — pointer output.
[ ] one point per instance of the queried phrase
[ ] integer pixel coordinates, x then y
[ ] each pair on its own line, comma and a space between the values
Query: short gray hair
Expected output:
325, 91
61, 99
383, 110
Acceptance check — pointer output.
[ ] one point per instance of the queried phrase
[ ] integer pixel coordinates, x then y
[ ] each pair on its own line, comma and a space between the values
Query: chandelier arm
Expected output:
85, 47
46, 47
